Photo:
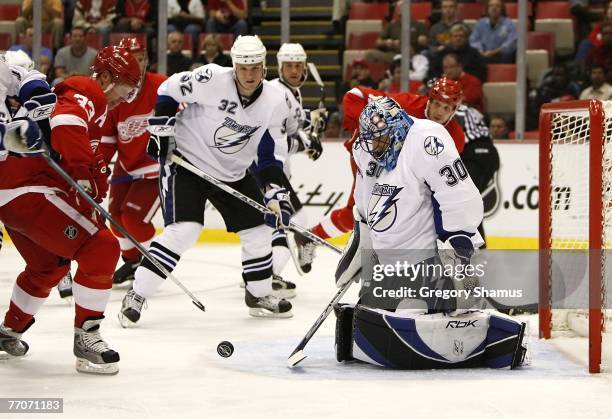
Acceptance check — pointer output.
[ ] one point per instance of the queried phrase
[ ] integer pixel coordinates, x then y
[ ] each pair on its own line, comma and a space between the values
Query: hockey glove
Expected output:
21, 136
93, 179
40, 107
310, 143
277, 200
318, 119
161, 141
457, 250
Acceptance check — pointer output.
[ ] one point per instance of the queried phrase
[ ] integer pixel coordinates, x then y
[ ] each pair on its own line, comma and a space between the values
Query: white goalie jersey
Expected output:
216, 133
427, 195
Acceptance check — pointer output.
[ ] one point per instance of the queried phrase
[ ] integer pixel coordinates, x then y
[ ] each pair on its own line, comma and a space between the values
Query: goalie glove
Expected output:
21, 136
40, 107
277, 200
161, 142
456, 250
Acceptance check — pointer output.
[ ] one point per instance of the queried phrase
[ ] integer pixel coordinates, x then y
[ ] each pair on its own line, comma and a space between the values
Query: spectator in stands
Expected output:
391, 84
52, 21
333, 128
599, 88
96, 16
74, 59
584, 16
498, 128
439, 33
495, 35
594, 38
28, 41
555, 86
227, 16
388, 45
469, 57
177, 62
186, 16
340, 12
472, 87
212, 52
361, 74
602, 55
137, 16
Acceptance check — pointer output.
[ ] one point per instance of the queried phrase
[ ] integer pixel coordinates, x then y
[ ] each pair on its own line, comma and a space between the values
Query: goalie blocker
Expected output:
428, 341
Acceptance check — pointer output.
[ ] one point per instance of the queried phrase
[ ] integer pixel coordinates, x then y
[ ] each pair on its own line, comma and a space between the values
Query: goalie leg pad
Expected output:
344, 331
436, 341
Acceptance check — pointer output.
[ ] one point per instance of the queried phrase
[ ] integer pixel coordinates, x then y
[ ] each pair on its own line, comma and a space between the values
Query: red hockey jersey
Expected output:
125, 130
75, 123
356, 99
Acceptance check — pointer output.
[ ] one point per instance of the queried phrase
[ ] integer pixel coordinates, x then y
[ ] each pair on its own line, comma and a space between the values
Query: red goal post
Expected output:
575, 148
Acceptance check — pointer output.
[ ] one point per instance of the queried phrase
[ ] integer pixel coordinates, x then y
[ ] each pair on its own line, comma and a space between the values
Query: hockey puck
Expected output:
225, 349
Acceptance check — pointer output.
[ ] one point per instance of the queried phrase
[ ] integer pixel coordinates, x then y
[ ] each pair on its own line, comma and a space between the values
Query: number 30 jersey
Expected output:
428, 195
220, 135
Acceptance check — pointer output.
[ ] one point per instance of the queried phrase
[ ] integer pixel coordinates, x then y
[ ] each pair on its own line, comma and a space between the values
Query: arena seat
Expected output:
501, 72
5, 41
418, 11
542, 41
359, 25
470, 11
369, 11
512, 10
363, 40
500, 97
10, 11
555, 17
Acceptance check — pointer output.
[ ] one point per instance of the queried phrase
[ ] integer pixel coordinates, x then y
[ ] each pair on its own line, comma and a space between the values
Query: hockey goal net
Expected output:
575, 214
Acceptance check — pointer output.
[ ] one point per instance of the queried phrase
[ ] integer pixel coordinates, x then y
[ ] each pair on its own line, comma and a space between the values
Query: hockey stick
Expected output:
298, 354
226, 188
120, 228
317, 78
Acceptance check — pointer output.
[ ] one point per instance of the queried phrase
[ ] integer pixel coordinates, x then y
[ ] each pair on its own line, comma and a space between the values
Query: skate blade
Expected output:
125, 322
87, 367
262, 312
4, 356
284, 293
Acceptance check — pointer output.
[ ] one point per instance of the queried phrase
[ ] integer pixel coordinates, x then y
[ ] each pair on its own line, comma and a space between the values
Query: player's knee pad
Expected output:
178, 237
431, 341
135, 225
98, 256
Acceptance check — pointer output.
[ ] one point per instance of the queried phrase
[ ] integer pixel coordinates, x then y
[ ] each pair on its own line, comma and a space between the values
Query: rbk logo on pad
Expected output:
382, 208
231, 137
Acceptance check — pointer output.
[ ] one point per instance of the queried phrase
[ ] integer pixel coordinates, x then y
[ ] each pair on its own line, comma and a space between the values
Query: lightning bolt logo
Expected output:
226, 141
383, 212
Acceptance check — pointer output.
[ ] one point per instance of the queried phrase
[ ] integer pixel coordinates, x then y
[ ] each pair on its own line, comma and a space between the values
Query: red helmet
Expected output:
122, 66
446, 91
133, 45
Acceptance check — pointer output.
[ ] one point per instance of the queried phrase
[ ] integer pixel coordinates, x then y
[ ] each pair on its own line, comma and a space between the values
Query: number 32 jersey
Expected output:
219, 135
428, 195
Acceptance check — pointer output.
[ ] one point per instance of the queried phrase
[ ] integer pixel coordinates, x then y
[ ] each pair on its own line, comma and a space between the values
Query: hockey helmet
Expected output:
248, 49
446, 91
121, 65
132, 44
19, 58
291, 53
383, 126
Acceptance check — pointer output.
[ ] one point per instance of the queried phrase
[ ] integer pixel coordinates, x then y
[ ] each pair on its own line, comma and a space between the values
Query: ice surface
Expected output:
170, 368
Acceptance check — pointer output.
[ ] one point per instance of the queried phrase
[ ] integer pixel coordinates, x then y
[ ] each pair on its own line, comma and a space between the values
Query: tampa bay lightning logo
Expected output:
231, 137
382, 208
433, 146
204, 75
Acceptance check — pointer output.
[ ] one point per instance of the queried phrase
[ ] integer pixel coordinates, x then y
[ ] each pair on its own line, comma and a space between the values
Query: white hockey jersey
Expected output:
216, 133
428, 195
297, 115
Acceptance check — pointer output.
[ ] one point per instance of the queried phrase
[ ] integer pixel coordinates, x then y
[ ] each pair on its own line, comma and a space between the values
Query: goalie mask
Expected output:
292, 53
383, 126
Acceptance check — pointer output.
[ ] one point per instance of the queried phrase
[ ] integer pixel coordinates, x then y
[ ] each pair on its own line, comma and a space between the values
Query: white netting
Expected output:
569, 178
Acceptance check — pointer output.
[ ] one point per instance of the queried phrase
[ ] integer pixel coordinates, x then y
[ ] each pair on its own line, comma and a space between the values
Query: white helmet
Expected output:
5, 78
19, 58
248, 49
291, 53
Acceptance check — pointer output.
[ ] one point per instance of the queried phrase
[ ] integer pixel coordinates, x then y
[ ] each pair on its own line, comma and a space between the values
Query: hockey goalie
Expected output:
417, 207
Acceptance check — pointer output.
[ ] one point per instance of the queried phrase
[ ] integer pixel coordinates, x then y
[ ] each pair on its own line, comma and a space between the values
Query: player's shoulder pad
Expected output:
432, 138
278, 93
210, 72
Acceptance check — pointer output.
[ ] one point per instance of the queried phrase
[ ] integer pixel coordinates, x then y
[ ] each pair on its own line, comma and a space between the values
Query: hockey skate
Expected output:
11, 345
93, 356
65, 286
125, 272
131, 307
304, 253
268, 306
282, 288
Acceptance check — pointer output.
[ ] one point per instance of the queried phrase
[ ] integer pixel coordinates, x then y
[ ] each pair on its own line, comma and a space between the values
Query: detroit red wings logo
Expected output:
133, 127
